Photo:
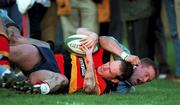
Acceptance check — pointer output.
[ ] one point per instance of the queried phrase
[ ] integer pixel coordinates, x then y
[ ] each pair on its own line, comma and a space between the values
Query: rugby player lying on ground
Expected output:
144, 72
40, 66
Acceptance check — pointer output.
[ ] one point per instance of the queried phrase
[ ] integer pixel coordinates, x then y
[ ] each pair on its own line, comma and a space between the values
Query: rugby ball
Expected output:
72, 44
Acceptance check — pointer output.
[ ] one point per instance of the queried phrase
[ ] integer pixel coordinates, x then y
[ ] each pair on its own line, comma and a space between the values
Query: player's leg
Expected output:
31, 59
42, 82
48, 81
25, 56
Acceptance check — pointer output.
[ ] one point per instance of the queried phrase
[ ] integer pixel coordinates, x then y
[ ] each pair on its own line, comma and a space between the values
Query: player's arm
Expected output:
14, 32
92, 38
89, 85
16, 38
112, 45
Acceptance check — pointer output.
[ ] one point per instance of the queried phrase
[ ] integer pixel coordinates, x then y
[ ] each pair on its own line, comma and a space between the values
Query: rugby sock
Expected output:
4, 55
43, 86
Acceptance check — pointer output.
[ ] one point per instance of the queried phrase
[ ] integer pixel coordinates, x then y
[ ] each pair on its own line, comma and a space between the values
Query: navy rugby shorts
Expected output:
47, 62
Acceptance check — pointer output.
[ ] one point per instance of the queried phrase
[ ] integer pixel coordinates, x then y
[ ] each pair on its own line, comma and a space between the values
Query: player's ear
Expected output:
115, 80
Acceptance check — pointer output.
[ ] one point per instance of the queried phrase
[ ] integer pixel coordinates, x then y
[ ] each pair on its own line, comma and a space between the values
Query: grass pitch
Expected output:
158, 92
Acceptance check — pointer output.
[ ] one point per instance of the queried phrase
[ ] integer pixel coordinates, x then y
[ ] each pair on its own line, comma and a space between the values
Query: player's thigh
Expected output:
25, 55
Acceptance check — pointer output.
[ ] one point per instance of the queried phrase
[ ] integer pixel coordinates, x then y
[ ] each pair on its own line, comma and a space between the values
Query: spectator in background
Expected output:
51, 27
36, 14
12, 10
156, 31
103, 9
157, 41
135, 14
177, 5
36, 10
116, 24
77, 13
172, 21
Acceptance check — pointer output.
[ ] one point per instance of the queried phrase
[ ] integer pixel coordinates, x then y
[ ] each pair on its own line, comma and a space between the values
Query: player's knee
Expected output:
57, 82
62, 80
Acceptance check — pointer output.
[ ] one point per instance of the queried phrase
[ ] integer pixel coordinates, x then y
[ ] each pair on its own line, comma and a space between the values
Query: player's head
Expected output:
146, 71
115, 71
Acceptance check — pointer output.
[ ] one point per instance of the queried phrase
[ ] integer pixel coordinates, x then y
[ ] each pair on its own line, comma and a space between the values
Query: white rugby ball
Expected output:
72, 43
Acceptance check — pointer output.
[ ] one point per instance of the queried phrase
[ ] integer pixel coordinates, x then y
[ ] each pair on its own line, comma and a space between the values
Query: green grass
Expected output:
158, 92
171, 57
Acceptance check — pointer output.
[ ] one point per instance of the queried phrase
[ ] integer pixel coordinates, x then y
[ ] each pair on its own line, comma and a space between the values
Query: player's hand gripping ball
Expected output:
72, 43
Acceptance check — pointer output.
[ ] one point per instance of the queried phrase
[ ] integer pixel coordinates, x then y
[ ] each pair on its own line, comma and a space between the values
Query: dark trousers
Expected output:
116, 28
36, 14
137, 36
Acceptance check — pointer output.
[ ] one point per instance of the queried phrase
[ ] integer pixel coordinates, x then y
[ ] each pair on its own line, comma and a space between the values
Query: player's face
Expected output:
142, 74
110, 70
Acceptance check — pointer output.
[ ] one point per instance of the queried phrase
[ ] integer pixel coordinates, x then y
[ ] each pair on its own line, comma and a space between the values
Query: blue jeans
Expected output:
15, 15
170, 8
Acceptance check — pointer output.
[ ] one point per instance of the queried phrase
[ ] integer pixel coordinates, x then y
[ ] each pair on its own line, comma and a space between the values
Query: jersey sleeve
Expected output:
122, 88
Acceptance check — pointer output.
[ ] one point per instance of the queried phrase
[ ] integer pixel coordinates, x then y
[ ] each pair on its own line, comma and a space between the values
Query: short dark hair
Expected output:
127, 71
149, 62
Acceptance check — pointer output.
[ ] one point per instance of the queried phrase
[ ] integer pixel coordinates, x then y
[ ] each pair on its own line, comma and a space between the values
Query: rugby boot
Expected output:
26, 87
9, 80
